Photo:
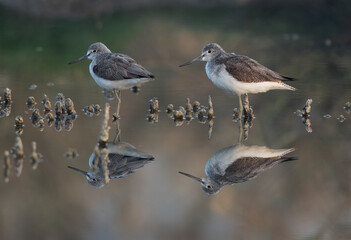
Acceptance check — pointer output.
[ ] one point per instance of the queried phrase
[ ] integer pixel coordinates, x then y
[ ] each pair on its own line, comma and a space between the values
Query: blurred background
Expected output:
305, 199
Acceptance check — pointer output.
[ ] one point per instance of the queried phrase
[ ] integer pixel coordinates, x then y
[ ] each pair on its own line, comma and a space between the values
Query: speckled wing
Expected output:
245, 69
118, 66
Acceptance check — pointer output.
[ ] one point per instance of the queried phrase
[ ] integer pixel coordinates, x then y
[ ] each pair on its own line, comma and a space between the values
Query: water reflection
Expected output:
19, 125
152, 117
71, 154
18, 156
341, 118
304, 113
239, 163
112, 160
65, 113
31, 102
124, 159
347, 107
37, 119
93, 109
35, 157
7, 166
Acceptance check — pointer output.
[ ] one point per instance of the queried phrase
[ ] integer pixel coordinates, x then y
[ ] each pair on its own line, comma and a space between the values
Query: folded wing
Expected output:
119, 67
245, 69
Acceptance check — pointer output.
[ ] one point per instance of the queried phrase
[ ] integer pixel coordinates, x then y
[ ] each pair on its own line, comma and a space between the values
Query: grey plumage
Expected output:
237, 164
116, 66
124, 158
245, 69
114, 70
247, 168
239, 74
232, 72
241, 67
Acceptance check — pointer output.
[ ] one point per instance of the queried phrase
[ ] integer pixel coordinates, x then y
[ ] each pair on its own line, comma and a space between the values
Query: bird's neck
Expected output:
97, 57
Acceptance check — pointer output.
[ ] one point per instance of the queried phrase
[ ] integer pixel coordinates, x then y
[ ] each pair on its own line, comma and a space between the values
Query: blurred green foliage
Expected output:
274, 33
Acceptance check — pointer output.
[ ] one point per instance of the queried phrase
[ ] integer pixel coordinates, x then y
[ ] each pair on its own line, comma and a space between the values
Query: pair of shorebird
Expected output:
231, 72
228, 71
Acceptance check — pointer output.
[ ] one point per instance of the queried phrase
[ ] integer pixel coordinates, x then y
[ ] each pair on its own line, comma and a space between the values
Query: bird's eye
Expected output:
94, 51
209, 51
208, 186
93, 179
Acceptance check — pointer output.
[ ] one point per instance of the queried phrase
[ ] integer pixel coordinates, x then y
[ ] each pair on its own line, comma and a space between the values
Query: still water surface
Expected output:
308, 198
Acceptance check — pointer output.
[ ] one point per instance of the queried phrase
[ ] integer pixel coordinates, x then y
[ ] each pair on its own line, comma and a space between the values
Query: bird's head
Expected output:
208, 185
209, 52
93, 50
94, 179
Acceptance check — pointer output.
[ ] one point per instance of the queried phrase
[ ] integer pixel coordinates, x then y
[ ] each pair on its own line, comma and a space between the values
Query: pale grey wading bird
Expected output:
239, 74
114, 71
124, 160
239, 163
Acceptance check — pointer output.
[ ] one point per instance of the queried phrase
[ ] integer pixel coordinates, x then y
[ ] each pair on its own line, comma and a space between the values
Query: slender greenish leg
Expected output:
246, 105
117, 137
118, 100
241, 107
240, 131
240, 119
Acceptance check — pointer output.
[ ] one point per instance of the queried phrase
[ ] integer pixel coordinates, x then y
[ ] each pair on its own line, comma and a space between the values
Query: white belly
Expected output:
222, 79
117, 84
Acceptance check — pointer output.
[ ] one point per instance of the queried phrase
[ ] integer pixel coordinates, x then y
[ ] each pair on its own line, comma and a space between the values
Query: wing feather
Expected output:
247, 168
118, 66
246, 69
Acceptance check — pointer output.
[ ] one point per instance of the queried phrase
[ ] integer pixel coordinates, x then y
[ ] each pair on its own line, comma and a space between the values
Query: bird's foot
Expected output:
116, 117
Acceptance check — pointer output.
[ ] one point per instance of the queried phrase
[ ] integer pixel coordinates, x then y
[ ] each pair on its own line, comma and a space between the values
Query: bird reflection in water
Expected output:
124, 159
239, 163
112, 160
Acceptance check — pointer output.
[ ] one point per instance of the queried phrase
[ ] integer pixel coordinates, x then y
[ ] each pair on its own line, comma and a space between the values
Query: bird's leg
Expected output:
240, 120
117, 137
241, 107
246, 106
240, 131
118, 100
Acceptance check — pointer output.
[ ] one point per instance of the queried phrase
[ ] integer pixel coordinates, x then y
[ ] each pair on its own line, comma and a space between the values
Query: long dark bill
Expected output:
79, 59
190, 62
78, 170
191, 176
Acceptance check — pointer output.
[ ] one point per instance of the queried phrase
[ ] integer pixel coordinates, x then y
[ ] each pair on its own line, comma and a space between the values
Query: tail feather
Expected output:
288, 159
286, 78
